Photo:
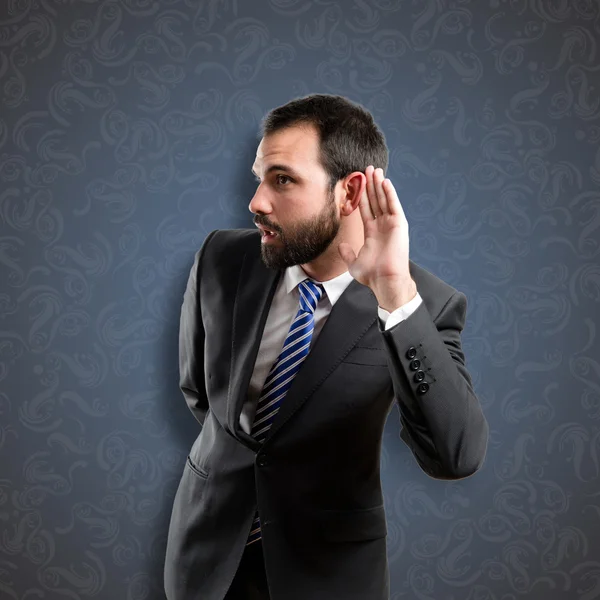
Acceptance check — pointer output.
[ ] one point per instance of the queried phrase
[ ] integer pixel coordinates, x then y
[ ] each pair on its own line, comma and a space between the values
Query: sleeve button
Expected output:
411, 352
419, 376
415, 364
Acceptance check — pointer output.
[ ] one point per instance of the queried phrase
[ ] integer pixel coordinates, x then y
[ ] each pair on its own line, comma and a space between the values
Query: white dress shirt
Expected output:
285, 305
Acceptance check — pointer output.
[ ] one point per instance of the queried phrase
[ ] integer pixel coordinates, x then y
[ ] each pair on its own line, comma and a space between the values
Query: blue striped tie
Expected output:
284, 369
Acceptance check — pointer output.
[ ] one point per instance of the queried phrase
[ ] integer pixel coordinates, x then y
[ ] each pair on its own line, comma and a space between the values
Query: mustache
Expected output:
266, 225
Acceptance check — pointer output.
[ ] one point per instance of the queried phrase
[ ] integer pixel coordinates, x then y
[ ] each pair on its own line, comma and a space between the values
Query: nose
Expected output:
259, 203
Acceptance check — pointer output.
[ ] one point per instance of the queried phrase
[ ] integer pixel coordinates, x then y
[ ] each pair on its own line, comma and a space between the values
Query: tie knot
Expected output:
310, 294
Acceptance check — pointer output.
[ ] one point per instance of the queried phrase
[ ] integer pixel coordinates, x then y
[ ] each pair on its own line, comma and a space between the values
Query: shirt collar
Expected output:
333, 287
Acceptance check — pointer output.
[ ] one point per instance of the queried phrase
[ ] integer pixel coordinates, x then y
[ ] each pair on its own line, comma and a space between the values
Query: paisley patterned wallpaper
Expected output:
127, 133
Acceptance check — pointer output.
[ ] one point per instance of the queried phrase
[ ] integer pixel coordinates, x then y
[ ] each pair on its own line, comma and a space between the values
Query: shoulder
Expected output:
231, 245
224, 250
434, 291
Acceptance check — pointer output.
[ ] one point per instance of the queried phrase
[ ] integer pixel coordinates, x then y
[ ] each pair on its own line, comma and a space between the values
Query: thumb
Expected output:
346, 253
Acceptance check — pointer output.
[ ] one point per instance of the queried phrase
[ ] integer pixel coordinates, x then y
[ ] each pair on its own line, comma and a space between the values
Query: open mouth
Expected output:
268, 234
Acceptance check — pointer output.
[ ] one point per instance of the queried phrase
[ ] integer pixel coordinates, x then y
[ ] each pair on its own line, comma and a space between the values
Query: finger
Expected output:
382, 202
393, 202
372, 194
365, 207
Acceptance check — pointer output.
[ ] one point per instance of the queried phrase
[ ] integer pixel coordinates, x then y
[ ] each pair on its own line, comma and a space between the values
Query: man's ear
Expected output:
355, 185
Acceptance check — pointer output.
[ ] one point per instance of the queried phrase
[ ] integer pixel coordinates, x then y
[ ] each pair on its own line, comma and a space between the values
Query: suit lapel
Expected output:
351, 316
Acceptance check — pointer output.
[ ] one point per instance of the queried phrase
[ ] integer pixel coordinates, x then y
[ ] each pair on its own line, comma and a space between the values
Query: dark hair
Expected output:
349, 139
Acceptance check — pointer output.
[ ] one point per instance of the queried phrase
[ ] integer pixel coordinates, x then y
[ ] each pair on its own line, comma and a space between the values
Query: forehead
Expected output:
296, 146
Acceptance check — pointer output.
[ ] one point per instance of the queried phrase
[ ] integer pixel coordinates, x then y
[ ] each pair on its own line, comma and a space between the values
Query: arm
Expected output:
444, 427
191, 341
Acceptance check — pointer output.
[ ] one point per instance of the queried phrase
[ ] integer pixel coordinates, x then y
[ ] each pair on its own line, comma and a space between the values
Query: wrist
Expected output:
394, 296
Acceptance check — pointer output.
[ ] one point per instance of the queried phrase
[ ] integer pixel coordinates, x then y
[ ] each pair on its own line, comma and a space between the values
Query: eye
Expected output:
284, 176
258, 180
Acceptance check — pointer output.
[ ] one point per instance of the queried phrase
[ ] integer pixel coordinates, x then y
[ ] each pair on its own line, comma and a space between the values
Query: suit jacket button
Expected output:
419, 376
422, 388
411, 352
415, 364
262, 460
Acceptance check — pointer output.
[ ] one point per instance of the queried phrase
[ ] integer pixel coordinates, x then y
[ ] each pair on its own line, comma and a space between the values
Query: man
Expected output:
294, 347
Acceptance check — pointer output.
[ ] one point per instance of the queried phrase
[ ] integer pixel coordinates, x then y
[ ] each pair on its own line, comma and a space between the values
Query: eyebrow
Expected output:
280, 167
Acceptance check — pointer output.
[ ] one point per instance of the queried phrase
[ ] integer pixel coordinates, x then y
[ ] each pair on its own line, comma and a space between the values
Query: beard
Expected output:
305, 241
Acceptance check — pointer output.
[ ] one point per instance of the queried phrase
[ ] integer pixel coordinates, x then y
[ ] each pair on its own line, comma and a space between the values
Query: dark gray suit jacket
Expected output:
316, 478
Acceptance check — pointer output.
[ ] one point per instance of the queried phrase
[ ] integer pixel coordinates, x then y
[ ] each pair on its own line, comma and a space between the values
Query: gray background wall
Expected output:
127, 132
